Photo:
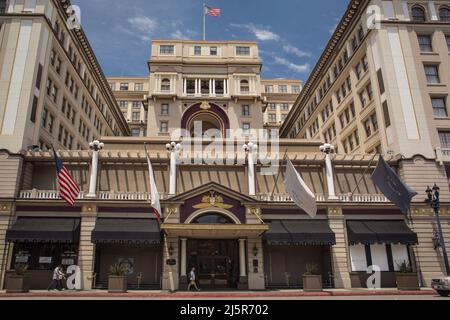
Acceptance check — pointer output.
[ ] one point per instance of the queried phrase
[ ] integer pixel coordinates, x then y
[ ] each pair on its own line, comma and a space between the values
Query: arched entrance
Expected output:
203, 117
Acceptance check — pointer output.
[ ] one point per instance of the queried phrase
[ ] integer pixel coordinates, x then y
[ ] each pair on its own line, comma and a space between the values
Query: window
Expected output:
368, 128
246, 127
432, 73
444, 137
387, 118
284, 106
245, 87
448, 42
190, 86
272, 117
213, 51
164, 127
365, 63
124, 87
362, 99
439, 107
369, 92
418, 14
198, 50
138, 87
136, 116
374, 120
245, 110
269, 88
204, 86
380, 81
165, 85
242, 51
219, 87
425, 43
166, 49
282, 88
3, 6
123, 104
272, 106
136, 132
296, 89
112, 85
444, 14
164, 109
358, 71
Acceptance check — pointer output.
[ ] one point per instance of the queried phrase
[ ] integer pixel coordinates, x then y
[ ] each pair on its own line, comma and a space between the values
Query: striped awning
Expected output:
45, 230
122, 231
300, 232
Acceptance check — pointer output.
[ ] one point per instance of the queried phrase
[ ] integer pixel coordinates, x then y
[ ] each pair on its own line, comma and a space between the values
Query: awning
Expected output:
380, 232
300, 232
45, 230
121, 231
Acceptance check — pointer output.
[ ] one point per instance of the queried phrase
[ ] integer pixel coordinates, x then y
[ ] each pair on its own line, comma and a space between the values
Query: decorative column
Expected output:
95, 146
243, 281
86, 249
183, 275
327, 149
251, 149
174, 149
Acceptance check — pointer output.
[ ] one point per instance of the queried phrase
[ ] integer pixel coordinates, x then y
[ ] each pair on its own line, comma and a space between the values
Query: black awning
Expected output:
380, 232
111, 230
300, 232
45, 230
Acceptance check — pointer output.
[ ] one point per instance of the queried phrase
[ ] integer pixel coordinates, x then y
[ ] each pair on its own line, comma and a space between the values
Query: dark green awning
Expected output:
380, 232
111, 230
46, 230
300, 232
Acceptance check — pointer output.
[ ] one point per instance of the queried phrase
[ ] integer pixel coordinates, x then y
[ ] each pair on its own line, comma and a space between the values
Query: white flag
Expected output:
299, 191
154, 195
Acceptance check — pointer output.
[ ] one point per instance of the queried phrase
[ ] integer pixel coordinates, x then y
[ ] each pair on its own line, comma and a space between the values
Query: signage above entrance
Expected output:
212, 200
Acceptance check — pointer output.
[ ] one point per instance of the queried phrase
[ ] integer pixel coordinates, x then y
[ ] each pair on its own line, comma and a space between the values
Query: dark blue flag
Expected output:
386, 179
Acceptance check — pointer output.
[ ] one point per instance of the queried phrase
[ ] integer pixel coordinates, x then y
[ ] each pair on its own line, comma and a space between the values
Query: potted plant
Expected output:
312, 279
406, 277
117, 280
17, 282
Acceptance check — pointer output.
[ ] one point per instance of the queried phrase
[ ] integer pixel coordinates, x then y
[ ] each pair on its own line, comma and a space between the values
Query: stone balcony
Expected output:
443, 155
143, 196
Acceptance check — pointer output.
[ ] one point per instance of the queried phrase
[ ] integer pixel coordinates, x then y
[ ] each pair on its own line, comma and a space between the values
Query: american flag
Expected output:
68, 187
213, 12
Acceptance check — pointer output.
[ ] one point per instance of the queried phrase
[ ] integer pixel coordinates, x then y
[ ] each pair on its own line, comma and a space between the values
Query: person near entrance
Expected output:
57, 281
192, 280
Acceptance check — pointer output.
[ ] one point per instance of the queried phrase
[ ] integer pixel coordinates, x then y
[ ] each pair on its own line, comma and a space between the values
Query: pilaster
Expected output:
7, 210
86, 251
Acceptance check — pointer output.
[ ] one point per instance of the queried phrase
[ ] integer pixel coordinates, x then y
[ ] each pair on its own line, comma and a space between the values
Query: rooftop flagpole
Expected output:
204, 20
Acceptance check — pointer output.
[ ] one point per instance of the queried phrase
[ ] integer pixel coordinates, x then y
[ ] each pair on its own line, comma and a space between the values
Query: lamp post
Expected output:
173, 148
95, 146
251, 149
327, 149
434, 202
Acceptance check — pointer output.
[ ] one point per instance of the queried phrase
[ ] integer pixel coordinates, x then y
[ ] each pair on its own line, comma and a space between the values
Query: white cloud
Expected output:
183, 35
296, 51
260, 32
299, 68
144, 25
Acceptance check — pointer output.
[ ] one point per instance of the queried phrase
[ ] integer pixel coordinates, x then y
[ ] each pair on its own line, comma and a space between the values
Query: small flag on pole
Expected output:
389, 183
68, 187
299, 192
212, 12
154, 195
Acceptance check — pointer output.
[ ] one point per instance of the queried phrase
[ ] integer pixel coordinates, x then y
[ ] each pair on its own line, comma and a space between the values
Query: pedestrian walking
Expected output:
192, 280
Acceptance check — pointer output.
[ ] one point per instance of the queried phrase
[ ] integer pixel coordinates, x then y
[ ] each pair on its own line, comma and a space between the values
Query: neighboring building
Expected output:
130, 92
184, 74
53, 91
280, 95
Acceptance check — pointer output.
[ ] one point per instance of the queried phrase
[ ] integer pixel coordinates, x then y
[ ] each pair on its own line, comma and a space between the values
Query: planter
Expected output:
117, 284
312, 283
17, 284
407, 281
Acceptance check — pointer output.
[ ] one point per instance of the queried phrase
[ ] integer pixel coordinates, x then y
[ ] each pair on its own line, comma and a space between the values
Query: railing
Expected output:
443, 155
43, 194
102, 195
372, 198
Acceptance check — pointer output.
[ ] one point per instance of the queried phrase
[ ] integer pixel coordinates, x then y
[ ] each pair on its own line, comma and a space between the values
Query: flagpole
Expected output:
204, 21
279, 173
364, 173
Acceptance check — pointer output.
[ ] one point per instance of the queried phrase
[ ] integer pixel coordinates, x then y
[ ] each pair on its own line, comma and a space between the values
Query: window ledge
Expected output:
429, 53
437, 85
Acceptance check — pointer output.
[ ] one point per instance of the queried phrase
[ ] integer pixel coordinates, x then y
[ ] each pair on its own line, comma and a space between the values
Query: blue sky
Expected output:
291, 33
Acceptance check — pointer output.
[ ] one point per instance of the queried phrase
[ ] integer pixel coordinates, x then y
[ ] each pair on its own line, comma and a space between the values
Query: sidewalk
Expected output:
218, 295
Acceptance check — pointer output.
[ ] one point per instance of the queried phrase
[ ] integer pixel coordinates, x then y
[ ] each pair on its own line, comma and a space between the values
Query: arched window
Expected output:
418, 14
213, 218
165, 84
444, 14
245, 87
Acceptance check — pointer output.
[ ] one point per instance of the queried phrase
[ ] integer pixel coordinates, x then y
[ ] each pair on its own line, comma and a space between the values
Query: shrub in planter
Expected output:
406, 277
312, 279
17, 282
117, 280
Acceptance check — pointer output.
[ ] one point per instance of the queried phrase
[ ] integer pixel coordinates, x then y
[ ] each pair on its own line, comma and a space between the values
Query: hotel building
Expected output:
280, 95
231, 220
130, 92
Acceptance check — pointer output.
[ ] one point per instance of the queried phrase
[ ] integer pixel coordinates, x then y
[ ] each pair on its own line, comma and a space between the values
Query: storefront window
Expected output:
45, 256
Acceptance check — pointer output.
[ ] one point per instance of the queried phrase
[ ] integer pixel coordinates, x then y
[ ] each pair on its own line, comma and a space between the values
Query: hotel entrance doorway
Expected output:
216, 263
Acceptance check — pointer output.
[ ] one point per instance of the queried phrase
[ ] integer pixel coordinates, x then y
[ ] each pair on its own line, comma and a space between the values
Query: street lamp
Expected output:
434, 202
